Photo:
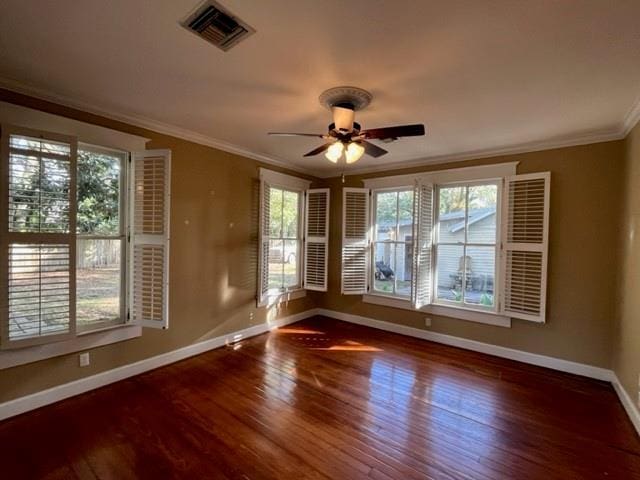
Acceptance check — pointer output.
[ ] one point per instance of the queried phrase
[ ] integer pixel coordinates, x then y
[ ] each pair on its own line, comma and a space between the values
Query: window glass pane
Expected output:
38, 290
98, 281
276, 264
291, 263
99, 177
275, 212
451, 215
479, 283
386, 215
39, 182
450, 272
384, 272
290, 214
405, 210
482, 214
403, 269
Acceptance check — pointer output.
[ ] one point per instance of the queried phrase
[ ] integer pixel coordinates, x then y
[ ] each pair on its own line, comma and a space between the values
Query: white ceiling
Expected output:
484, 76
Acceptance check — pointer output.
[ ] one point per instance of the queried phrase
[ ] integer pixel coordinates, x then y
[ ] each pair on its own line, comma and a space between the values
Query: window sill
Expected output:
452, 312
84, 341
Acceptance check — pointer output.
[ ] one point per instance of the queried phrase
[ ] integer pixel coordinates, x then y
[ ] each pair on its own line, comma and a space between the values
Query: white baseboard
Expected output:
627, 403
504, 352
60, 392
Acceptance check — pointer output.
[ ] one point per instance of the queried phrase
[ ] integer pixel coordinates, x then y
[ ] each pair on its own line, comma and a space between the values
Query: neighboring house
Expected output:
482, 229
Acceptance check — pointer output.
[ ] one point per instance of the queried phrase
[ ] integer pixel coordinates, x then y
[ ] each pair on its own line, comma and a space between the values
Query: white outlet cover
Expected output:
84, 358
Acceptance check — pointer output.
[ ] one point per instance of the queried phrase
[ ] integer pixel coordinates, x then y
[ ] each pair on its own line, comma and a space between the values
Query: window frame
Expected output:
478, 173
268, 179
374, 232
299, 239
496, 266
124, 208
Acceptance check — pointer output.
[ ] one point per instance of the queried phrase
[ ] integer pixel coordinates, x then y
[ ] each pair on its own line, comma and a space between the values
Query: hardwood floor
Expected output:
327, 399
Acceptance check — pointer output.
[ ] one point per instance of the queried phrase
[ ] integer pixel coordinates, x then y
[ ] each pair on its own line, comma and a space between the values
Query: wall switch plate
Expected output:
427, 321
85, 360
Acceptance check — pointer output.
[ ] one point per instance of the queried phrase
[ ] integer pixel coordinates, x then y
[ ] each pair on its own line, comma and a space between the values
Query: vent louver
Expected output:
217, 26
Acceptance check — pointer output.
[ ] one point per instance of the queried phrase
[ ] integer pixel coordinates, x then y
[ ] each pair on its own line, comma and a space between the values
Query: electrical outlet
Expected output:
427, 321
85, 360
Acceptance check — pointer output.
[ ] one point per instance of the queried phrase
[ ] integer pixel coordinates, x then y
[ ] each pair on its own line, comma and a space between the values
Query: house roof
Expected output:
474, 216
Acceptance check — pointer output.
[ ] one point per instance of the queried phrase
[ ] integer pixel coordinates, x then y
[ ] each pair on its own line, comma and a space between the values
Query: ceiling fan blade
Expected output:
318, 150
284, 134
394, 132
373, 150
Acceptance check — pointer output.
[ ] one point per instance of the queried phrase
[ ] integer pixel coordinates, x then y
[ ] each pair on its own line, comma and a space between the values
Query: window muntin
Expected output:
393, 242
466, 245
285, 240
100, 239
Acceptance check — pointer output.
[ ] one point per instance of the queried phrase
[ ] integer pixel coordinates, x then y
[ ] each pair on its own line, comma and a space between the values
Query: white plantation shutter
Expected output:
150, 201
263, 253
525, 245
316, 239
37, 263
355, 241
422, 244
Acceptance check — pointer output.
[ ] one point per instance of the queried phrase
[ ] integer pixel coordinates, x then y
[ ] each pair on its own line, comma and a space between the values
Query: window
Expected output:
469, 243
294, 234
466, 244
393, 242
65, 256
100, 241
285, 239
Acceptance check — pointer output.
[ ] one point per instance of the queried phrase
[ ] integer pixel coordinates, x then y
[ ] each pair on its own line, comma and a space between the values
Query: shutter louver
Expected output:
151, 178
316, 239
38, 237
263, 254
423, 242
525, 243
355, 241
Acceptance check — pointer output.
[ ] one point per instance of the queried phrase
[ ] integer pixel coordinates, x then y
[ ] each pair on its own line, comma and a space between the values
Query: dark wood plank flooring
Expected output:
327, 399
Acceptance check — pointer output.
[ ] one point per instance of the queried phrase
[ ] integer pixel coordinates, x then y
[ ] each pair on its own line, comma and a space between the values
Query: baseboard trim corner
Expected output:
567, 366
30, 402
627, 403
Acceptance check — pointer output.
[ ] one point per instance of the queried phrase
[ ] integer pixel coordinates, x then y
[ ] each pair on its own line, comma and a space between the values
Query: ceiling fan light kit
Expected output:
345, 137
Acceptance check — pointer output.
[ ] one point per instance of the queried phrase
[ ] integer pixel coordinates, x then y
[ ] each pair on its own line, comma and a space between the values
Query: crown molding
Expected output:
632, 117
149, 124
581, 138
529, 147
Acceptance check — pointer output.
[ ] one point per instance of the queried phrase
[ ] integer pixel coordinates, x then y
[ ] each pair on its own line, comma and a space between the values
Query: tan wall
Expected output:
626, 343
213, 259
584, 224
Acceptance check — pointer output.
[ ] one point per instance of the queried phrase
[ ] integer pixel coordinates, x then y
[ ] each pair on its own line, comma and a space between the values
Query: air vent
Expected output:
216, 25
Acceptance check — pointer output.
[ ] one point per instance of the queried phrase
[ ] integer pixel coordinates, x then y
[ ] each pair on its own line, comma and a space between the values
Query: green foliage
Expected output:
453, 199
393, 206
98, 193
283, 213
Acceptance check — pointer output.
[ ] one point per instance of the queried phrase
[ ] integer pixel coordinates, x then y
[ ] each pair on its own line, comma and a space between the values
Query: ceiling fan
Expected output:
345, 136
